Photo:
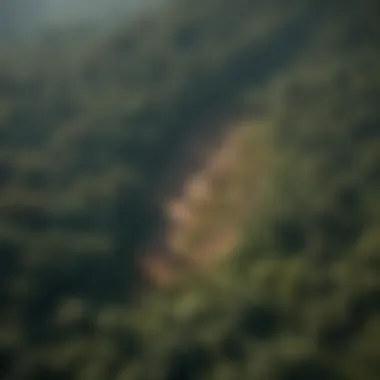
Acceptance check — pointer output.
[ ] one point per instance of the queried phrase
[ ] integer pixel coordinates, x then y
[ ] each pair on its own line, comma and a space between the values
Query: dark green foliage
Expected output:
260, 322
313, 370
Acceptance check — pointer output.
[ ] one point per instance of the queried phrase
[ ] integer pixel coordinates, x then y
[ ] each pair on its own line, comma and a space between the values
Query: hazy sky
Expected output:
24, 17
62, 11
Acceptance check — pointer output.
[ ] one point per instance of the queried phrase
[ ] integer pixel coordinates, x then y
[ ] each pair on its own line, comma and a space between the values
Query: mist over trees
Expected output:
20, 17
21, 20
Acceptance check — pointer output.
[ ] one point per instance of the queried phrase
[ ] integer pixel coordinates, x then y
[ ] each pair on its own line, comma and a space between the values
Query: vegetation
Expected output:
86, 131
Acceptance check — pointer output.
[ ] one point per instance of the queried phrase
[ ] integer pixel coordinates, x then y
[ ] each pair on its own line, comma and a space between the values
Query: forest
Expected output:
89, 127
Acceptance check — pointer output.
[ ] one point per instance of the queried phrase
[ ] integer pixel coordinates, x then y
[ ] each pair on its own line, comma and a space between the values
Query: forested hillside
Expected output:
89, 131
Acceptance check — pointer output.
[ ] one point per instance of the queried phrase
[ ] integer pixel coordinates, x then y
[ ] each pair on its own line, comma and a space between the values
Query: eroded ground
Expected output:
209, 194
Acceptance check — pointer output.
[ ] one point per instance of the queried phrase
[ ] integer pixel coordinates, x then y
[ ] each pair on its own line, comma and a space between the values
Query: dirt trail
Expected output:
205, 197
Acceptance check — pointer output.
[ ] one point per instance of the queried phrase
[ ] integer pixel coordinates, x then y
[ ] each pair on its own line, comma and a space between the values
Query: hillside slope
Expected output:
216, 194
88, 136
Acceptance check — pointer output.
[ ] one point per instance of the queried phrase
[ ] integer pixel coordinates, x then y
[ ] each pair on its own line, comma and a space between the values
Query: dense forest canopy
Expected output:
88, 127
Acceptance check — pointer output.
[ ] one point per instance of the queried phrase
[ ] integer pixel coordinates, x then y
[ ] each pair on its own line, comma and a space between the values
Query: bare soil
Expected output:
206, 196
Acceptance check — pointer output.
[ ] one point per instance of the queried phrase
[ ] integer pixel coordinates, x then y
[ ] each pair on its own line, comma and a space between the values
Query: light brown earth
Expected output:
207, 196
